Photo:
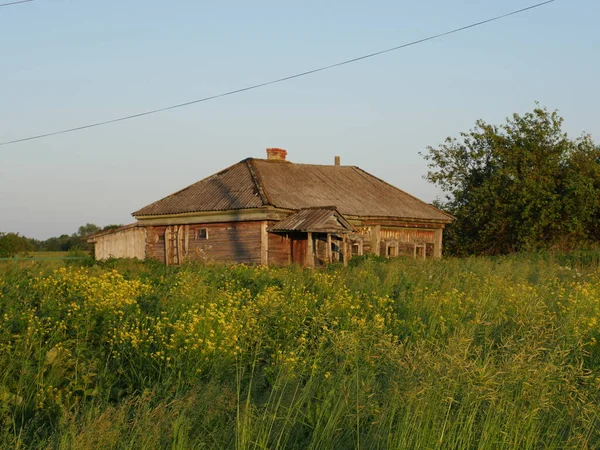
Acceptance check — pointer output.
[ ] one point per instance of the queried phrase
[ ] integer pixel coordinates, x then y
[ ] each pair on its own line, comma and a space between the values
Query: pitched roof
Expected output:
231, 188
321, 220
253, 183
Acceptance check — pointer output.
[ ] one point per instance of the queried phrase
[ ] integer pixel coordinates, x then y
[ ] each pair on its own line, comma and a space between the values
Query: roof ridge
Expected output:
364, 172
286, 162
257, 179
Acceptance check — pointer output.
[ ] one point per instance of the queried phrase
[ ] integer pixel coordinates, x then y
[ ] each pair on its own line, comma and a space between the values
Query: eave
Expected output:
236, 215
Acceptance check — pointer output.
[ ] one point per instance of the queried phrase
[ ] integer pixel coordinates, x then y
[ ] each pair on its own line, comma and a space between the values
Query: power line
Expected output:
278, 80
15, 3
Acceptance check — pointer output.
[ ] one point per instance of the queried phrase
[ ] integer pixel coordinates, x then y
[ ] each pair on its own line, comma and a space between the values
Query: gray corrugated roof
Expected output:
256, 182
353, 191
320, 220
232, 188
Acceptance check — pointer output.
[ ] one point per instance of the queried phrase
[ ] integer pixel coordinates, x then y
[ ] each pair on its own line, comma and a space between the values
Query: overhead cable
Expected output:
278, 80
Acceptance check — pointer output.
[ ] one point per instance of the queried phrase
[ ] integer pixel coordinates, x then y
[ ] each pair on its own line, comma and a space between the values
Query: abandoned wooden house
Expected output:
274, 212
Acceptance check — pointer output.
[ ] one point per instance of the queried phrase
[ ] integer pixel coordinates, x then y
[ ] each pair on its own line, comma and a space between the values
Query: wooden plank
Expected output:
186, 244
310, 255
179, 240
376, 239
264, 244
329, 252
168, 246
437, 245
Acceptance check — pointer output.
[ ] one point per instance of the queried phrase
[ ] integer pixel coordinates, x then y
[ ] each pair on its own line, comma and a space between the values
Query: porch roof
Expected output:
317, 220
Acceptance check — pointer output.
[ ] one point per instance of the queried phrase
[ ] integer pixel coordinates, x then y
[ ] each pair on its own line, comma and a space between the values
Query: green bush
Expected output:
12, 243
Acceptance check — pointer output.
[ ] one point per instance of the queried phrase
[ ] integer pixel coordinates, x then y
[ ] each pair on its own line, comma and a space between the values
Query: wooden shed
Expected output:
272, 211
124, 242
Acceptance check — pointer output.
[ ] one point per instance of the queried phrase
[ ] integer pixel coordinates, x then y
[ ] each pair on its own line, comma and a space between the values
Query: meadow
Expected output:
475, 353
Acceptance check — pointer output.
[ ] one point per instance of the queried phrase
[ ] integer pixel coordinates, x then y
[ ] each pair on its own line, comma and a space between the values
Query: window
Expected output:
357, 249
389, 249
203, 234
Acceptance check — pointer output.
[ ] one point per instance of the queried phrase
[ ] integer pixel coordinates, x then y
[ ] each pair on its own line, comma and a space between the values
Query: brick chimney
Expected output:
336, 161
277, 154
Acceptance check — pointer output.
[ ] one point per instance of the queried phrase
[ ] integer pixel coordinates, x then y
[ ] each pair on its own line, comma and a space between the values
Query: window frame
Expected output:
359, 246
199, 233
391, 245
421, 247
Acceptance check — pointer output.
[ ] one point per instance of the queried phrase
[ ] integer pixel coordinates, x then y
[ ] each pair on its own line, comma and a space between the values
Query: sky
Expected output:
64, 64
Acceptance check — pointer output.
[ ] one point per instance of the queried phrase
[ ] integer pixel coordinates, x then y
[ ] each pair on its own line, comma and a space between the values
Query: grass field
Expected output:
457, 354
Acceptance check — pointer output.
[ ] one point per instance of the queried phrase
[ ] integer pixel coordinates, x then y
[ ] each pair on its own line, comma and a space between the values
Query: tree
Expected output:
522, 185
12, 243
87, 229
111, 227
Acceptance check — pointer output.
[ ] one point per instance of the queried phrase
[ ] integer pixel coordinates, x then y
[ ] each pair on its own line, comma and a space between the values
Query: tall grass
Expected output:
458, 354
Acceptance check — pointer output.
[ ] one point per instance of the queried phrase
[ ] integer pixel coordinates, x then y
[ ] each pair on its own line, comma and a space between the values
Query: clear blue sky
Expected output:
66, 63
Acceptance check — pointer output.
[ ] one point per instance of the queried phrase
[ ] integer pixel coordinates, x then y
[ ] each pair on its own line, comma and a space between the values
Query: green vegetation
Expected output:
460, 354
520, 186
12, 244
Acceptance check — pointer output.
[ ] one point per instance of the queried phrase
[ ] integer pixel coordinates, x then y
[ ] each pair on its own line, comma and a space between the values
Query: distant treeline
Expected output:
13, 243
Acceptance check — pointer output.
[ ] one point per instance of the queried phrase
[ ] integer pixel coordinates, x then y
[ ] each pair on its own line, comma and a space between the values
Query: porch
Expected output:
317, 236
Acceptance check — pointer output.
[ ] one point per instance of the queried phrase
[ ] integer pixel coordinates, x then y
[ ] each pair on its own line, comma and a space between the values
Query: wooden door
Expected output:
298, 250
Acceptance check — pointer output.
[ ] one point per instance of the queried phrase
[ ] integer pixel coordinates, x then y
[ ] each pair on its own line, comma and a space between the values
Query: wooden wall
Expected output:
377, 237
407, 235
250, 243
155, 243
128, 243
238, 242
279, 249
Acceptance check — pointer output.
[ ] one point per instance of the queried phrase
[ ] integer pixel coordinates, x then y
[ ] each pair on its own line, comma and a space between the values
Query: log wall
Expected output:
155, 243
279, 249
233, 242
250, 243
